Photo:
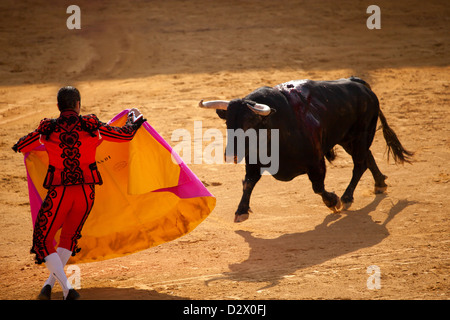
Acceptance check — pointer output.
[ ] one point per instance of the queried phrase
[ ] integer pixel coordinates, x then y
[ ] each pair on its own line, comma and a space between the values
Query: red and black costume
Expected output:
71, 142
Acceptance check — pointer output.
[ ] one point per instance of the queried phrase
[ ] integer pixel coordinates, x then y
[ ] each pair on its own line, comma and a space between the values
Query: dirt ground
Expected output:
163, 57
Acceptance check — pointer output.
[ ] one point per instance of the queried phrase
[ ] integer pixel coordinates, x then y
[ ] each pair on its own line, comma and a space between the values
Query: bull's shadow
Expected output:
272, 259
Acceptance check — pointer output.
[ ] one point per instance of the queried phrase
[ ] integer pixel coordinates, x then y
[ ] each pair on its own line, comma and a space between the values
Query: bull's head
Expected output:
240, 115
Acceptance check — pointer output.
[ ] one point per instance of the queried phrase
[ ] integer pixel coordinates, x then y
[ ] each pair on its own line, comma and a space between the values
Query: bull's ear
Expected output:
222, 114
272, 111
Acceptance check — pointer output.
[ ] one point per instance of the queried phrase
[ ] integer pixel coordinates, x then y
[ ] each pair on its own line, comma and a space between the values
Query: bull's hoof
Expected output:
380, 185
346, 205
242, 214
379, 190
337, 208
241, 217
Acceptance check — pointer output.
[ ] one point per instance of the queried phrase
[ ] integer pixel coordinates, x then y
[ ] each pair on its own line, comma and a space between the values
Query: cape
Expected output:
149, 196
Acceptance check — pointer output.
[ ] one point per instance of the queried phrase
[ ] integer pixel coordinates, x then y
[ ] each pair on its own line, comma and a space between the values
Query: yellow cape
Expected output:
148, 196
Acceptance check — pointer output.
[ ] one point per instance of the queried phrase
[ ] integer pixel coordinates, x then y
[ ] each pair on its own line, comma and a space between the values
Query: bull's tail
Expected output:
394, 146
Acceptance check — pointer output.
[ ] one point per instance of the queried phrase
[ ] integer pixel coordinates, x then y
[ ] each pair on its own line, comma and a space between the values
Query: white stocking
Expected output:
54, 264
64, 256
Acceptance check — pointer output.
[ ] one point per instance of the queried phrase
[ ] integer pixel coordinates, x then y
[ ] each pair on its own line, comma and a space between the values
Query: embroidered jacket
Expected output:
71, 142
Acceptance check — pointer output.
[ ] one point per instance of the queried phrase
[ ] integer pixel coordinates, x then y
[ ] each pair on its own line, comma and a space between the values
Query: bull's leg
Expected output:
380, 185
252, 176
359, 167
316, 175
362, 159
358, 148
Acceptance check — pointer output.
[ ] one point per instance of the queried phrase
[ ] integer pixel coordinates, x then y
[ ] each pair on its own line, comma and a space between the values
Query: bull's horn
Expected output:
215, 104
261, 109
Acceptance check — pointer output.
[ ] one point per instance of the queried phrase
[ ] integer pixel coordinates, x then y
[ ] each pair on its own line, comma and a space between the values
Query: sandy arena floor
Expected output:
165, 57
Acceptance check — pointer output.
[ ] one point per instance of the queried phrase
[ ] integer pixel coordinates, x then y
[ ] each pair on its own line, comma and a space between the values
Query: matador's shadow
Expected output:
272, 259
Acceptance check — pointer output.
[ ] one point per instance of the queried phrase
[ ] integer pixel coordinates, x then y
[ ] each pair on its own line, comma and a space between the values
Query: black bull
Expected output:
312, 117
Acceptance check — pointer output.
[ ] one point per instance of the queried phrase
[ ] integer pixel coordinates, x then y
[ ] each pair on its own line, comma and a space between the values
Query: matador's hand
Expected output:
135, 114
